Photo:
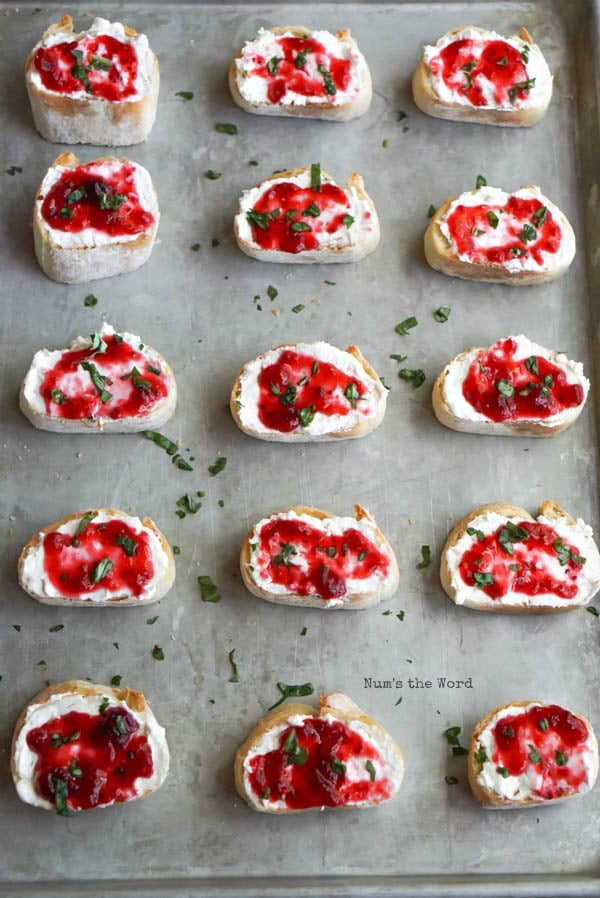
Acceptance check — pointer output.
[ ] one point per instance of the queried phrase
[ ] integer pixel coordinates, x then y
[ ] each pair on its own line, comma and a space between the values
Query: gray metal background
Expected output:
195, 836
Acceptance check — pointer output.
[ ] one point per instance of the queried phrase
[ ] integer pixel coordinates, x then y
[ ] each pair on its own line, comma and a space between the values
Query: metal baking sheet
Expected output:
195, 837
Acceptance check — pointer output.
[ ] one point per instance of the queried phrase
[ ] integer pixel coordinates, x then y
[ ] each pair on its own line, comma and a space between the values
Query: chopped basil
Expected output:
116, 680
302, 382
532, 365
331, 551
152, 620
385, 144
218, 466
442, 314
503, 772
527, 234
98, 380
401, 115
80, 71
505, 387
313, 211
101, 63
129, 545
534, 755
362, 555
13, 170
561, 758
296, 755
330, 87
298, 226
508, 732
452, 734
478, 533
187, 95
338, 766
154, 370
287, 550
266, 793
295, 691
483, 579
195, 247
97, 344
480, 756
58, 396
406, 325
431, 211
306, 415
290, 214
272, 65
272, 292
226, 128
60, 797
511, 533
480, 182
212, 175
112, 201
398, 358
400, 615
525, 53
451, 780
300, 59
519, 86
593, 610
492, 218
208, 590
370, 770
157, 653
66, 212
103, 705
514, 567
75, 196
348, 220
188, 504
56, 628
299, 308
303, 631
543, 724
425, 558
235, 674
120, 725
503, 61
90, 300
262, 219
315, 368
352, 395
539, 217
476, 232
415, 376
563, 552
100, 571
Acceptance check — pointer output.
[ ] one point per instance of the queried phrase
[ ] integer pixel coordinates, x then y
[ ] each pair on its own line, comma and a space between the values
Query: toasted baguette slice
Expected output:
487, 234
301, 89
304, 773
83, 115
519, 756
86, 252
71, 736
356, 230
100, 557
492, 80
543, 391
308, 557
537, 566
299, 404
58, 394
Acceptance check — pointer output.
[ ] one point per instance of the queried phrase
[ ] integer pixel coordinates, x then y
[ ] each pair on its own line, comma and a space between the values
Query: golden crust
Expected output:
430, 103
161, 588
488, 798
359, 430
352, 602
548, 509
335, 704
342, 113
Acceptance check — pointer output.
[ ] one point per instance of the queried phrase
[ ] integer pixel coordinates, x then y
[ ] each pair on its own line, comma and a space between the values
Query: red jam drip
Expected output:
297, 386
286, 76
63, 72
310, 563
71, 563
321, 780
285, 204
535, 395
468, 66
470, 229
534, 576
98, 758
78, 397
64, 212
470, 226
555, 737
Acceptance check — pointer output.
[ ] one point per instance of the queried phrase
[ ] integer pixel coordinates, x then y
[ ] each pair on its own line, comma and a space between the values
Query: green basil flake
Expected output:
505, 387
519, 86
472, 531
103, 705
208, 590
593, 610
212, 175
534, 755
532, 365
303, 631
492, 218
503, 61
157, 653
129, 545
543, 724
226, 128
120, 725
298, 226
164, 442
100, 63
296, 755
431, 211
284, 557
273, 64
189, 95
181, 463
306, 415
290, 214
313, 211
514, 567
369, 767
452, 734
152, 620
112, 201
442, 314
98, 380
362, 555
116, 680
90, 300
425, 558
66, 212
415, 376
451, 780
56, 628
483, 579
13, 170
97, 343
295, 691
331, 551
385, 144
527, 234
266, 793
561, 758
218, 466
348, 220
195, 247
17, 627
406, 325
480, 182
563, 552
401, 115
188, 503
79, 71
503, 772
100, 571
352, 395
272, 293
214, 242
525, 53
235, 673
300, 59
330, 87
154, 370
480, 756
508, 732
60, 797
476, 232
58, 396
75, 196
538, 218
337, 766
315, 368
398, 358
517, 251
260, 219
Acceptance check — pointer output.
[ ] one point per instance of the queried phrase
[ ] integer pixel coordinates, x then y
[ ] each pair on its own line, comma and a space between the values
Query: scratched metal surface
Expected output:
195, 836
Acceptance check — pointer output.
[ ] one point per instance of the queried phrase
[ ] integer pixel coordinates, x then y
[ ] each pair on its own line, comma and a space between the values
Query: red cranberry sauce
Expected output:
88, 197
523, 228
297, 386
302, 66
109, 556
548, 740
309, 562
291, 218
507, 389
478, 69
121, 383
87, 760
319, 763
522, 557
99, 65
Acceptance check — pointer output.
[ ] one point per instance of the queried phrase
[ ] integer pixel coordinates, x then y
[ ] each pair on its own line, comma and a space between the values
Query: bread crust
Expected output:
352, 601
342, 113
301, 435
161, 588
430, 103
548, 509
335, 704
131, 698
89, 119
326, 254
80, 264
441, 257
490, 799
532, 427
156, 417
